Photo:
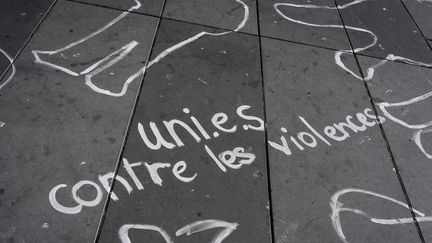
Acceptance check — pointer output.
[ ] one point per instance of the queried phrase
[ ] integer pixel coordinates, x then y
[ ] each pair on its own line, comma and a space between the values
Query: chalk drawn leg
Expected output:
124, 232
39, 54
106, 63
337, 207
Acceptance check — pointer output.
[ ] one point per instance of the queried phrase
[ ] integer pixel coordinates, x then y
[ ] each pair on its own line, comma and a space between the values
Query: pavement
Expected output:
215, 121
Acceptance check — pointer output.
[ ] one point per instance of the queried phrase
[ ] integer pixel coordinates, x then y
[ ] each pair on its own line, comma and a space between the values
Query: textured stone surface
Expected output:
56, 130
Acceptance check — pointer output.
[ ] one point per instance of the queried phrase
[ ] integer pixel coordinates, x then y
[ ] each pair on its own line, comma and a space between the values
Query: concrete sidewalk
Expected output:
215, 121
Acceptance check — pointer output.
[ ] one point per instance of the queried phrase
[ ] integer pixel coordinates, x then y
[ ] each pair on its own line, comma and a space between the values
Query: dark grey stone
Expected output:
227, 14
56, 130
210, 75
274, 25
18, 19
393, 83
302, 81
152, 7
421, 11
388, 19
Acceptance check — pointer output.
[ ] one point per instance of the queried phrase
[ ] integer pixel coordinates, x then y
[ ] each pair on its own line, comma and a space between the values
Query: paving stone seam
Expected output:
265, 126
15, 57
127, 132
418, 27
389, 150
241, 32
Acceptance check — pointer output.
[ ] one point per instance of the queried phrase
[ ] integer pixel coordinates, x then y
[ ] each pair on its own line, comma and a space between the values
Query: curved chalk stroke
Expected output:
337, 207
370, 70
189, 229
10, 59
105, 27
124, 232
116, 56
209, 224
338, 54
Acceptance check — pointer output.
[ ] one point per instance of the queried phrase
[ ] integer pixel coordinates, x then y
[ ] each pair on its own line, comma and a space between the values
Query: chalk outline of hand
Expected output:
116, 56
337, 207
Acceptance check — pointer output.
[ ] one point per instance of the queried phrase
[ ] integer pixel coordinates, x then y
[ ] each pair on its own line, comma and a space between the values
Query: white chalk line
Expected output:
337, 207
338, 54
187, 230
121, 53
12, 75
371, 70
124, 232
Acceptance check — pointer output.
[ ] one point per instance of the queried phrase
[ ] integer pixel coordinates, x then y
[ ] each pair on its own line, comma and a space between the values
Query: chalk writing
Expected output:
337, 132
231, 159
188, 230
337, 207
418, 129
218, 120
118, 55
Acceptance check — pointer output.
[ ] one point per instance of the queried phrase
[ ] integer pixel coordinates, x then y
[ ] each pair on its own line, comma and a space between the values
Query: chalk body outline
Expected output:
122, 52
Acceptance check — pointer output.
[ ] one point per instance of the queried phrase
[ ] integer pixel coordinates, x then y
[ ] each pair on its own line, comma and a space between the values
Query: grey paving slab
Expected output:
395, 83
340, 160
18, 18
56, 132
389, 22
152, 7
421, 12
297, 21
216, 80
227, 14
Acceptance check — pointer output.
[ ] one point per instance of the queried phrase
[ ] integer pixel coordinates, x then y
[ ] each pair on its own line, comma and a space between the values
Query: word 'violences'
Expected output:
337, 132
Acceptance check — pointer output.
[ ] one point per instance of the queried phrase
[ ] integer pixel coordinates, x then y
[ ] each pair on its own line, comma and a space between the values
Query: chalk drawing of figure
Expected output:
337, 207
419, 129
114, 57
